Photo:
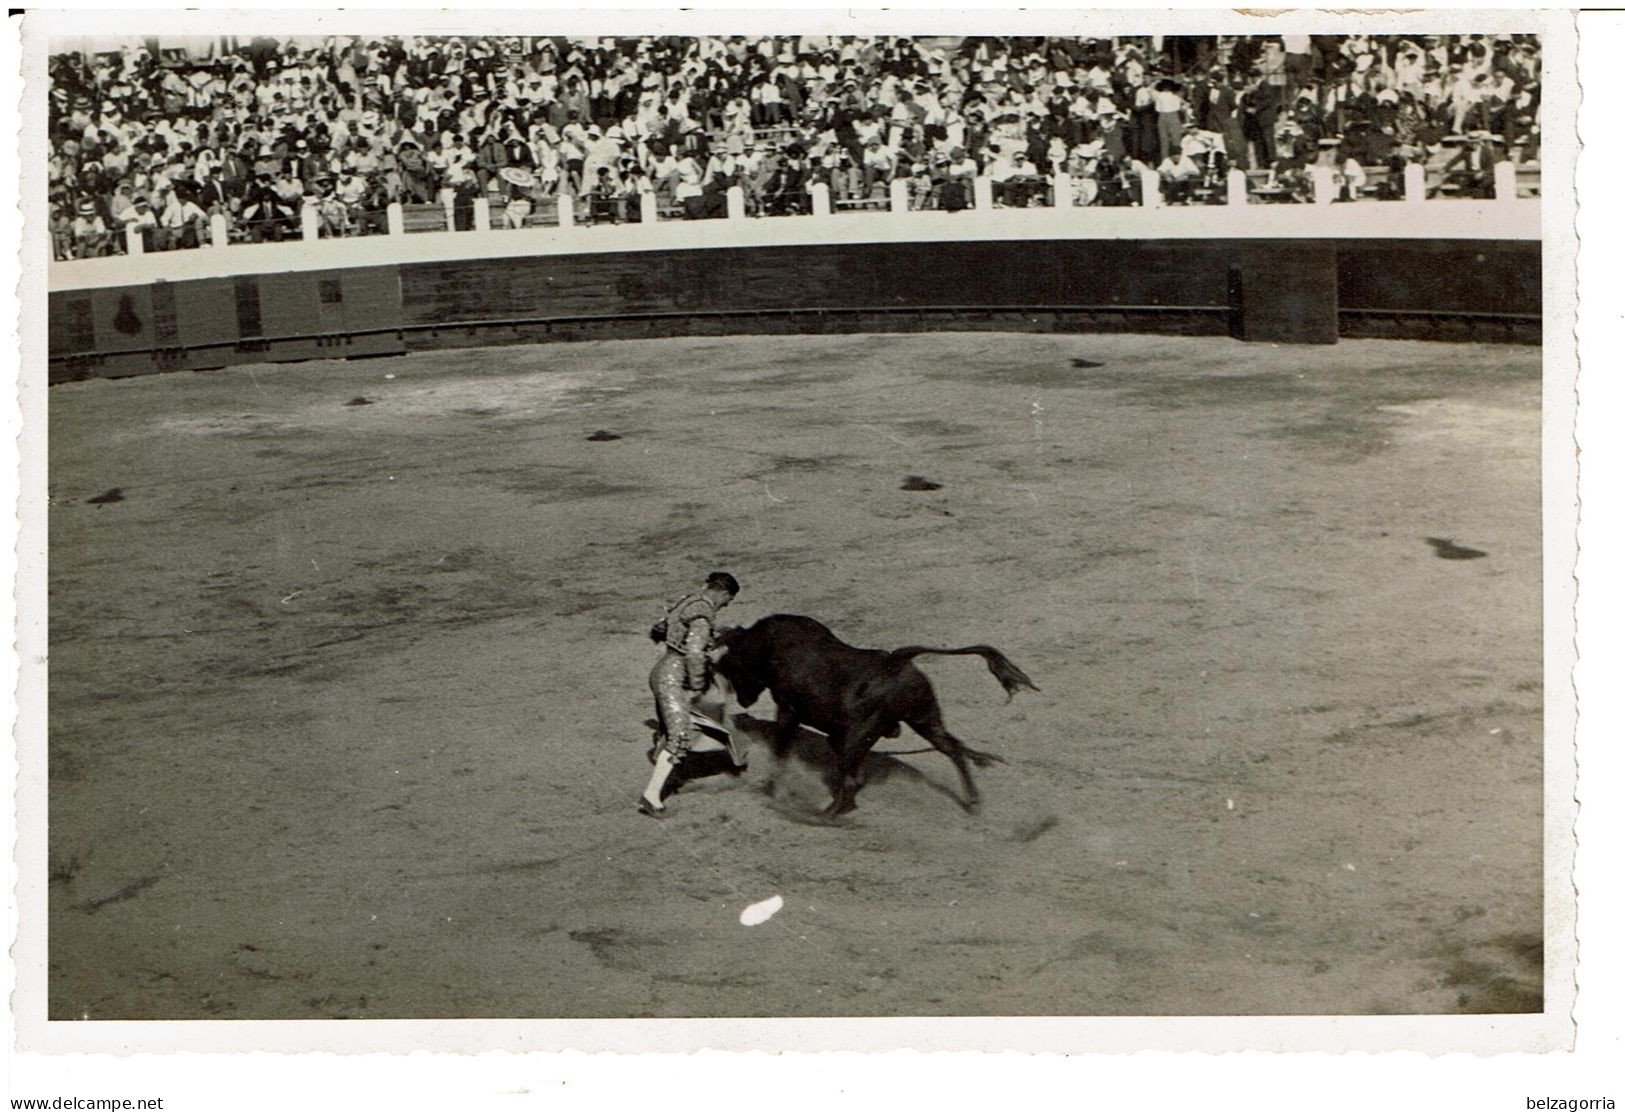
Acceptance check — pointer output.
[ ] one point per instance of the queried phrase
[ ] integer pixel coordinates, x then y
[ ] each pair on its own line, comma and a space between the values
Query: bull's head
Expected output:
735, 666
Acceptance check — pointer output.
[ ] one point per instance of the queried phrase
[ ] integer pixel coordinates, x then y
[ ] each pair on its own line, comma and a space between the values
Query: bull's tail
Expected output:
1013, 679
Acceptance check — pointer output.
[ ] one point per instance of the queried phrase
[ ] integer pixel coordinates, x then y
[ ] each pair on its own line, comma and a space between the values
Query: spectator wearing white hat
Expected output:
1178, 175
603, 151
1083, 167
120, 206
878, 163
142, 219
89, 233
1112, 133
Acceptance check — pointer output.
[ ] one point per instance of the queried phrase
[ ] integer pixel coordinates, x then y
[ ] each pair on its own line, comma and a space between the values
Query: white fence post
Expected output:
899, 195
1150, 187
567, 211
820, 198
482, 214
1416, 183
736, 202
1325, 187
1506, 181
1235, 187
219, 230
397, 218
982, 193
448, 201
648, 207
1062, 184
133, 243
310, 223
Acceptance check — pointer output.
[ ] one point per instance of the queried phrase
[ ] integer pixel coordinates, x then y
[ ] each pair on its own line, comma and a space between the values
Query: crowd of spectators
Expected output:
160, 136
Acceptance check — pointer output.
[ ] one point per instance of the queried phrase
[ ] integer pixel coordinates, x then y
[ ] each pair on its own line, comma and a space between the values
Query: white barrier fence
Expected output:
1150, 196
1506, 217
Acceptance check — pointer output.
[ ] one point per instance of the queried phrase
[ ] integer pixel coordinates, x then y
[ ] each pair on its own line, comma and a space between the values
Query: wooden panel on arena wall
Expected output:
370, 300
295, 322
289, 315
206, 312
1419, 275
70, 326
1015, 273
123, 319
774, 278
1132, 272
1287, 292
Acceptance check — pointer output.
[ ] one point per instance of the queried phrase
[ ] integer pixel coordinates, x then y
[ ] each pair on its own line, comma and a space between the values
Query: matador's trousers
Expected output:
672, 703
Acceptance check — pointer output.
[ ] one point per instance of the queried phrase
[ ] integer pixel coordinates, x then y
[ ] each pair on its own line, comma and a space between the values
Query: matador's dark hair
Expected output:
723, 582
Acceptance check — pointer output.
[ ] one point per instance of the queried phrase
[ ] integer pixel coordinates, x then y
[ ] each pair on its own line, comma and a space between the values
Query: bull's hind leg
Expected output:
929, 725
851, 750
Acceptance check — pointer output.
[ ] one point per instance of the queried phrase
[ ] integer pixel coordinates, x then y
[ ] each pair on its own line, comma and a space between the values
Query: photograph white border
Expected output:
1428, 1034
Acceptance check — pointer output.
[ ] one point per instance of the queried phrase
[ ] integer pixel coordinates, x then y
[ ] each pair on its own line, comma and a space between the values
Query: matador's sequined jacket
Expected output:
690, 624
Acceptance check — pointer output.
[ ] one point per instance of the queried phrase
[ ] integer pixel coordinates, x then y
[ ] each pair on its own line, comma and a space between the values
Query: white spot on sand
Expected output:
759, 913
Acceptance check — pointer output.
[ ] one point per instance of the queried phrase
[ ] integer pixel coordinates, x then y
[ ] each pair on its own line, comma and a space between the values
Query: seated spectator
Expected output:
604, 198
845, 180
634, 184
1116, 186
417, 182
877, 167
785, 193
121, 206
142, 221
181, 224
922, 190
1178, 175
1207, 150
1351, 181
1025, 186
711, 203
691, 180
90, 236
61, 230
265, 214
1083, 167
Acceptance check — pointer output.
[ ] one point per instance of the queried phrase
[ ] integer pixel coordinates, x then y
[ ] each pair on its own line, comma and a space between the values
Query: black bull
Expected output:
855, 696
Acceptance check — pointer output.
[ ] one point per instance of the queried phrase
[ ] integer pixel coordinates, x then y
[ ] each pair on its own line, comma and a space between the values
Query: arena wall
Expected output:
1466, 271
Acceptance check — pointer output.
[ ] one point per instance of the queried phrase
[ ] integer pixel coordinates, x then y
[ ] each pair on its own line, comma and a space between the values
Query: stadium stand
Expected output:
161, 140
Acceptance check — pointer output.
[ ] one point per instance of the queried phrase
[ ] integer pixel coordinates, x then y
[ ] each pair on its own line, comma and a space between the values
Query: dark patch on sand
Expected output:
1446, 549
1505, 976
128, 892
1344, 435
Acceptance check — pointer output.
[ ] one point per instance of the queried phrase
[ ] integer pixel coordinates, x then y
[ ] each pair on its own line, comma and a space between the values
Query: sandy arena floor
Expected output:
347, 700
